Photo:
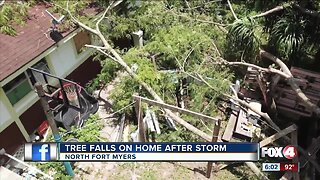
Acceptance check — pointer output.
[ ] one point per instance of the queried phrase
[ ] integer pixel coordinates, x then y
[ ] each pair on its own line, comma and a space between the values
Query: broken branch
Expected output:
269, 70
273, 10
112, 5
234, 14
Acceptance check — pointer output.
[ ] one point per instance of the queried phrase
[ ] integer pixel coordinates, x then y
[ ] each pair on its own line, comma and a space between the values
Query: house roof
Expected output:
32, 39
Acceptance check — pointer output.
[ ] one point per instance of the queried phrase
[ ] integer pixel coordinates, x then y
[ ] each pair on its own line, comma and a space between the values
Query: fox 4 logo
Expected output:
288, 152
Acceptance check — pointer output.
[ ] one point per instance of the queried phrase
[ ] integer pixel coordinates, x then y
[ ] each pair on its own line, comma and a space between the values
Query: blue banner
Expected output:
181, 147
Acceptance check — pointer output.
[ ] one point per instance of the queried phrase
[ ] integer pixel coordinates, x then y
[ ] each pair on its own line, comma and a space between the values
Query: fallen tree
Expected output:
106, 49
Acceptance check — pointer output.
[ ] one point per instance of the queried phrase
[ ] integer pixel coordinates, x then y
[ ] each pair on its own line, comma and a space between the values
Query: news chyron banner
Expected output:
108, 151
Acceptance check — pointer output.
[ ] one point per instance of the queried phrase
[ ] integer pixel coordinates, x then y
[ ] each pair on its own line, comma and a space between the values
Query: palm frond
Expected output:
242, 36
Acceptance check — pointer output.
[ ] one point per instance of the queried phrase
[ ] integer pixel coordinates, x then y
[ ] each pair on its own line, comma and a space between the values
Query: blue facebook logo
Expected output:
40, 152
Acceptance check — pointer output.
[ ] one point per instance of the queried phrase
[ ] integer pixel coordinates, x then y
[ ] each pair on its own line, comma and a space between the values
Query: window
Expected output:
20, 86
43, 66
17, 88
81, 39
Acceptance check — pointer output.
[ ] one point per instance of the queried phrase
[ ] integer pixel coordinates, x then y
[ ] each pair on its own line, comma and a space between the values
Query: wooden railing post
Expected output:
215, 136
294, 141
138, 109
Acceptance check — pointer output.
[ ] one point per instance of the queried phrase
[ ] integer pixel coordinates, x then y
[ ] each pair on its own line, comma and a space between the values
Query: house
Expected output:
20, 109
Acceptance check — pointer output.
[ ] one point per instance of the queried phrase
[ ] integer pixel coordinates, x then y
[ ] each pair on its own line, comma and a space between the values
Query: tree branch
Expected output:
111, 57
186, 58
95, 47
112, 5
268, 70
273, 10
276, 60
216, 48
76, 20
103, 16
234, 14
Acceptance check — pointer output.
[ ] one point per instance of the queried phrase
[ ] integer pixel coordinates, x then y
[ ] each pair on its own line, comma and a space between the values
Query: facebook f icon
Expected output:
40, 152
44, 152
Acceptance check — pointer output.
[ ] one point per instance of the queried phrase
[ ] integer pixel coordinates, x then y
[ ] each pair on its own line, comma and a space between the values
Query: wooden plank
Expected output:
294, 141
311, 95
278, 135
241, 128
227, 135
175, 108
138, 109
311, 92
215, 136
126, 131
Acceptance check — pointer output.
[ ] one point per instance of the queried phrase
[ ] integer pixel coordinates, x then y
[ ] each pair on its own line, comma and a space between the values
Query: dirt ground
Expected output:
149, 171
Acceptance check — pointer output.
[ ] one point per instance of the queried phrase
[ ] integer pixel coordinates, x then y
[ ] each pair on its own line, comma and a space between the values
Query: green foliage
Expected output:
291, 34
108, 73
89, 133
180, 135
149, 17
57, 167
288, 36
242, 37
122, 93
11, 15
176, 49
